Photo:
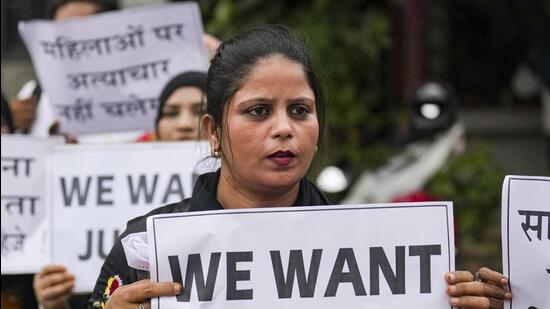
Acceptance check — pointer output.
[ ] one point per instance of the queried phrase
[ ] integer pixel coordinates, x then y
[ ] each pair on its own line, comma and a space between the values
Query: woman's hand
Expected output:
54, 130
488, 291
23, 112
132, 295
53, 286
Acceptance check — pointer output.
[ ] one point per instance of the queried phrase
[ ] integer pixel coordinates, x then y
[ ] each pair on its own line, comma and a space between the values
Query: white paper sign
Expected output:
364, 256
97, 189
526, 240
105, 72
25, 226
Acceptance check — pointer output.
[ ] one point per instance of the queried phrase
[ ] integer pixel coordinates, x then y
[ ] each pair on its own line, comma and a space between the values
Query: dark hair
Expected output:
186, 79
237, 56
6, 116
102, 6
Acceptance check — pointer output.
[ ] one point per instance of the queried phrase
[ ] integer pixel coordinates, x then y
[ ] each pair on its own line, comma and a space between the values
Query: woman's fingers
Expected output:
140, 292
486, 292
48, 269
476, 302
488, 275
53, 286
53, 279
454, 277
477, 288
51, 275
58, 290
145, 289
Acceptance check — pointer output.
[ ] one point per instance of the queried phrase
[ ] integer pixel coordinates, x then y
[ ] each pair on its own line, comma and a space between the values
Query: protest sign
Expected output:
375, 256
526, 240
97, 189
105, 72
25, 226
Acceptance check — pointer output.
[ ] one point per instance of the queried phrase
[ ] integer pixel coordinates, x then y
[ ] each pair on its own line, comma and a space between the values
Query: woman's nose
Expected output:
186, 121
282, 127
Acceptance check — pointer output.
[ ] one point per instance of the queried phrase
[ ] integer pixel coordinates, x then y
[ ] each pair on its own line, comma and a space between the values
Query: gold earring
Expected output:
315, 148
216, 153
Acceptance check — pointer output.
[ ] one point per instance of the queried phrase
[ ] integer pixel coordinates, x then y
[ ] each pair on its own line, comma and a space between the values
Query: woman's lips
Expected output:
282, 157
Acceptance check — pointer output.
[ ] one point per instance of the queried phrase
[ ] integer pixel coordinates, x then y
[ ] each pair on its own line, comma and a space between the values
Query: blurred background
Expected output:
429, 100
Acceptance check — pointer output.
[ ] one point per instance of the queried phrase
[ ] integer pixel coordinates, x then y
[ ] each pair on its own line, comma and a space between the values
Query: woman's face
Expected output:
180, 115
270, 127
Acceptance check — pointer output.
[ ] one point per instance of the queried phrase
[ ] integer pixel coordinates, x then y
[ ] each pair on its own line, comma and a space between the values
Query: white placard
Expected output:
364, 256
97, 189
25, 226
105, 72
526, 240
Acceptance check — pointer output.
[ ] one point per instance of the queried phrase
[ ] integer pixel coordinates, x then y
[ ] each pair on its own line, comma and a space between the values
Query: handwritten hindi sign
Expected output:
105, 72
526, 240
25, 226
97, 189
375, 256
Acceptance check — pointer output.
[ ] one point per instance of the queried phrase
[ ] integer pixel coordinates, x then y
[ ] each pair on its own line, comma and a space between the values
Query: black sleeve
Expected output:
76, 301
114, 273
115, 270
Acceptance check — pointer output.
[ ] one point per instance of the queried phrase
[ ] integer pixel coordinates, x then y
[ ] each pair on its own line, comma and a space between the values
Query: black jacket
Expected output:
115, 270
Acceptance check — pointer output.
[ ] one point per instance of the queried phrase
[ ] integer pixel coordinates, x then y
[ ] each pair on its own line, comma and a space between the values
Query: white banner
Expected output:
365, 256
25, 226
526, 240
97, 189
105, 72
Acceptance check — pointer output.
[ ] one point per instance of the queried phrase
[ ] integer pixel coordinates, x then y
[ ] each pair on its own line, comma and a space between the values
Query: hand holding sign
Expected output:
248, 261
23, 112
53, 286
487, 291
140, 293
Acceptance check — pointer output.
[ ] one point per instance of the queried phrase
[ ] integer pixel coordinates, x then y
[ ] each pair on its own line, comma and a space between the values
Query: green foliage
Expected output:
474, 183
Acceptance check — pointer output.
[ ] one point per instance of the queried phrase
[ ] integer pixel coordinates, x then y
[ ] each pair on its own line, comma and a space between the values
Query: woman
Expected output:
180, 108
264, 118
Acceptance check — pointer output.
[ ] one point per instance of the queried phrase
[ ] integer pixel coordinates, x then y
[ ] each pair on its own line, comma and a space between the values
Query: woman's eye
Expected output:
259, 111
170, 113
299, 111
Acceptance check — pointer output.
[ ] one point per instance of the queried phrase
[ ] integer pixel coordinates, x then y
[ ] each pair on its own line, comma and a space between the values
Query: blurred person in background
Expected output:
180, 108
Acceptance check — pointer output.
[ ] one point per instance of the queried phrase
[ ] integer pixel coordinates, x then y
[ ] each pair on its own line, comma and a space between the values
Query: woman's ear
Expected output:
209, 126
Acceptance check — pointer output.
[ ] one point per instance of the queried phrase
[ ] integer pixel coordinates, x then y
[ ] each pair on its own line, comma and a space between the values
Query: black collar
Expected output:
204, 193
